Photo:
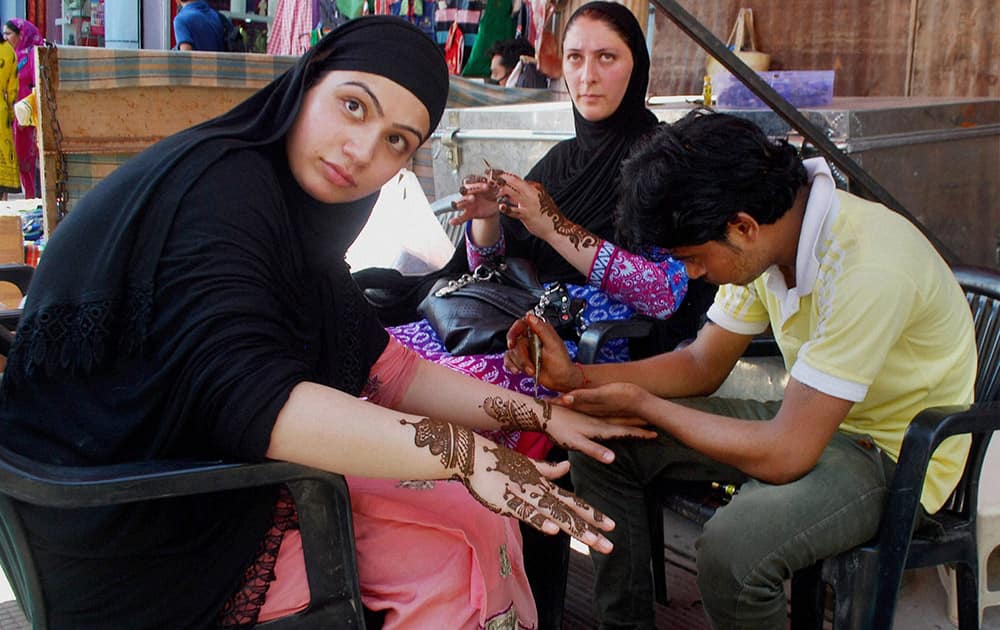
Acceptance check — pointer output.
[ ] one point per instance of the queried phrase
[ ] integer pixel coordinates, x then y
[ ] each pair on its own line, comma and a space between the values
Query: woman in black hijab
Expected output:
606, 70
196, 305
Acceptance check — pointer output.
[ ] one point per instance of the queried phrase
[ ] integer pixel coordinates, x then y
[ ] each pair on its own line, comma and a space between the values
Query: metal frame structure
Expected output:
855, 174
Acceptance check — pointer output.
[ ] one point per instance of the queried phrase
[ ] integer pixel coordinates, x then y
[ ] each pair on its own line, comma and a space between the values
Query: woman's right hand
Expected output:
478, 200
511, 484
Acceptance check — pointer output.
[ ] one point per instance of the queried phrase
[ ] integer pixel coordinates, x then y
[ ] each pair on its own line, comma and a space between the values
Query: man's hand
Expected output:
620, 400
559, 373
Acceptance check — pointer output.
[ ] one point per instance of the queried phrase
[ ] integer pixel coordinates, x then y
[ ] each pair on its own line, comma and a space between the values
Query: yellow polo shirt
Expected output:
875, 317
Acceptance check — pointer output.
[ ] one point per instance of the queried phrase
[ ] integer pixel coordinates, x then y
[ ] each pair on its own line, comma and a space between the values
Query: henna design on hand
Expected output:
455, 444
518, 468
580, 503
514, 414
475, 495
546, 409
577, 235
523, 510
559, 512
474, 179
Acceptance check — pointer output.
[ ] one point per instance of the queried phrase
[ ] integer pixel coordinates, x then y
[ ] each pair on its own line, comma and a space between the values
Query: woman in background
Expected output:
10, 180
24, 36
606, 71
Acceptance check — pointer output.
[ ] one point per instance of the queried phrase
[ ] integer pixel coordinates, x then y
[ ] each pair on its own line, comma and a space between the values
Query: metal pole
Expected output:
857, 175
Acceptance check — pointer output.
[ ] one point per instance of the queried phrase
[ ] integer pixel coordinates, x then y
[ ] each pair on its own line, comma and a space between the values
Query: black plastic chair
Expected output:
321, 499
866, 580
20, 276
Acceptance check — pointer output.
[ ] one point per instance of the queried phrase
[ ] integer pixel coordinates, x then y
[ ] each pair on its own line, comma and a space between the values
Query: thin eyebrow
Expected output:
381, 112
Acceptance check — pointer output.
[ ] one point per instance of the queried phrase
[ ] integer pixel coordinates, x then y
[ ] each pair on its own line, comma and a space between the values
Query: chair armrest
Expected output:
931, 427
17, 274
91, 486
922, 437
327, 529
322, 501
598, 333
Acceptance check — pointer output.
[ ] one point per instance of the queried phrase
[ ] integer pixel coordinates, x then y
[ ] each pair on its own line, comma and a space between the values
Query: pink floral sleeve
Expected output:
478, 255
653, 288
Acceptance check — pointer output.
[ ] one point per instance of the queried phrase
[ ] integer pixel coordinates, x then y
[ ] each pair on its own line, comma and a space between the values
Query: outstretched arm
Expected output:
697, 369
328, 429
777, 451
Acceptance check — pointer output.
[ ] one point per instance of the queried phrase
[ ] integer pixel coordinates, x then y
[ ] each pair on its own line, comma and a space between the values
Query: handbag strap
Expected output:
482, 273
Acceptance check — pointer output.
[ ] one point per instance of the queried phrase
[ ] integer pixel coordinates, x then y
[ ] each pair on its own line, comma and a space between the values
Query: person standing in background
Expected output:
24, 36
10, 180
197, 27
513, 64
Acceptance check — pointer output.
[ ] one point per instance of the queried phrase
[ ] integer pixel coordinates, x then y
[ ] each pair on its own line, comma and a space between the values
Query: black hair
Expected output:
14, 27
510, 51
684, 182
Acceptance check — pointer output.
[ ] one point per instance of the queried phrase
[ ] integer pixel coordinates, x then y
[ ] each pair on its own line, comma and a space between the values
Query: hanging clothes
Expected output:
289, 32
420, 13
465, 13
10, 180
24, 137
496, 24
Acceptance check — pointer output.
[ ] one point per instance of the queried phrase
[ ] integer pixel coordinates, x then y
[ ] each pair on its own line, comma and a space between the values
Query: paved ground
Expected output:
922, 604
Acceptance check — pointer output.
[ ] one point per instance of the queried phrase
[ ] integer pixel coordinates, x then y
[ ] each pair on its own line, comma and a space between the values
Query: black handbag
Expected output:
472, 313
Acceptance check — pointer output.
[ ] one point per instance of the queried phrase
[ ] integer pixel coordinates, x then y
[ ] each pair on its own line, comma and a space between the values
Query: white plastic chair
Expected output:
987, 537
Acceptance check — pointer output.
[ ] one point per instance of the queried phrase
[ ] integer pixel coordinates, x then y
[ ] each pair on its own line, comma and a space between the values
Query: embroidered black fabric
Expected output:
73, 337
243, 608
173, 311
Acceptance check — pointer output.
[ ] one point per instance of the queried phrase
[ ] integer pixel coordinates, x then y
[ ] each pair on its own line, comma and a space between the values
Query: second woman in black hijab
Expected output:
606, 71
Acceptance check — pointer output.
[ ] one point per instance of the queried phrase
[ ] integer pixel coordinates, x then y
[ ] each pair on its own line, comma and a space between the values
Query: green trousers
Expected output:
751, 545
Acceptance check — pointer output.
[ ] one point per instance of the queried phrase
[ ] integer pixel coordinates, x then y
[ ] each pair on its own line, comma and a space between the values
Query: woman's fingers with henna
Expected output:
550, 509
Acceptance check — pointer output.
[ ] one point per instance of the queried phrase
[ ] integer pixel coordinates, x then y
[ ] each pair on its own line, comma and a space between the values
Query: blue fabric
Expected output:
198, 24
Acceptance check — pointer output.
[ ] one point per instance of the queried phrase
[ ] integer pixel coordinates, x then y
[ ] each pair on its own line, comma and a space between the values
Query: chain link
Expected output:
50, 104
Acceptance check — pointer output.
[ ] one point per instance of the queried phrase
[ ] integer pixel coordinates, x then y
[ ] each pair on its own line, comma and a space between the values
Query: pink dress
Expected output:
24, 137
428, 554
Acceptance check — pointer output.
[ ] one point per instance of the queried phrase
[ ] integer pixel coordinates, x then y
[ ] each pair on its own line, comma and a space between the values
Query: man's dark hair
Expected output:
510, 51
684, 182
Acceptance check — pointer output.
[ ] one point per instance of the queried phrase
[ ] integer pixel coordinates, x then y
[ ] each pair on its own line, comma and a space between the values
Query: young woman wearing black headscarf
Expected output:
196, 304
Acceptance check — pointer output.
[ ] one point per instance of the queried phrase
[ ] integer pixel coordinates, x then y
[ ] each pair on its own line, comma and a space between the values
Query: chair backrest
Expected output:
982, 290
443, 211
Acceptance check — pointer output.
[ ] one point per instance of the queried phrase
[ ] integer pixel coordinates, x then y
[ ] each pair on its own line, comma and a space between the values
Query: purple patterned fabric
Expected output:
420, 336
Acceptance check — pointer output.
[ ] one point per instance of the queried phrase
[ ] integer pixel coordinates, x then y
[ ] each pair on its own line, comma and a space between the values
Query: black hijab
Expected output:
175, 308
582, 174
78, 315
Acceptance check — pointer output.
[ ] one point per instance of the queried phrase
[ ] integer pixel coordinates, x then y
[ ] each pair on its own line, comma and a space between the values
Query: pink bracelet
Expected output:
586, 381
